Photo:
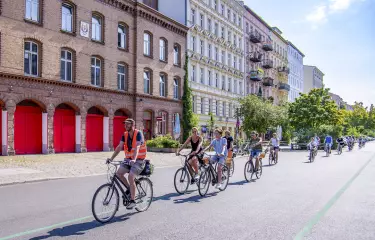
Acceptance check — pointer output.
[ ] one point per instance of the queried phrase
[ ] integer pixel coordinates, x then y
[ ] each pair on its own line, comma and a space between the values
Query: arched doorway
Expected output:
28, 128
64, 129
94, 130
118, 126
147, 124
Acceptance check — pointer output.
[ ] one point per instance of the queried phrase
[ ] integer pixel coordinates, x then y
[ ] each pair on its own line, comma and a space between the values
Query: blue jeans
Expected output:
218, 159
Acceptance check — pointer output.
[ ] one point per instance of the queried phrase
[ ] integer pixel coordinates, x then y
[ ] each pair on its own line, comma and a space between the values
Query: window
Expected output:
96, 28
162, 49
240, 64
209, 78
216, 30
234, 18
96, 71
235, 62
193, 43
202, 20
230, 110
67, 18
209, 25
66, 70
223, 32
223, 83
192, 16
222, 9
210, 105
216, 54
240, 87
228, 14
194, 104
147, 44
162, 83
147, 81
215, 5
162, 125
235, 86
202, 106
229, 85
216, 80
32, 10
229, 59
193, 74
229, 37
240, 42
121, 36
217, 108
176, 87
239, 21
235, 40
209, 51
31, 59
223, 57
176, 55
121, 77
247, 27
202, 47
202, 76
224, 114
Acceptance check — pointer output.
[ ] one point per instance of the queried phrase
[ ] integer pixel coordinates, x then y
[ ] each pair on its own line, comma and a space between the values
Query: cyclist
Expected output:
317, 140
229, 139
341, 141
134, 146
275, 146
196, 148
313, 145
328, 142
256, 148
220, 146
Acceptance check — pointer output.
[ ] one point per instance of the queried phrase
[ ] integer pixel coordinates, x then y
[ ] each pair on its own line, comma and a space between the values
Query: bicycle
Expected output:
209, 176
339, 149
249, 168
144, 193
327, 149
272, 157
313, 153
184, 176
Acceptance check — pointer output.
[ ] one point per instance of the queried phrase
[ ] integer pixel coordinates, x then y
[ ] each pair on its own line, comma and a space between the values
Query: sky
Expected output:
337, 36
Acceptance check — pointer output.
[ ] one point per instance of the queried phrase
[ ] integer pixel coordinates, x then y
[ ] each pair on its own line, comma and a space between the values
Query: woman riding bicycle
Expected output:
256, 148
196, 148
275, 146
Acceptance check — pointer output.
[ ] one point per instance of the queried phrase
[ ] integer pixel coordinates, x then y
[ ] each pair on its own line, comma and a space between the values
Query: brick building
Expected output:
72, 71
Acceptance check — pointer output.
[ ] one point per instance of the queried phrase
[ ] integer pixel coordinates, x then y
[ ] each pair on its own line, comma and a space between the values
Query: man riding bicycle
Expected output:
328, 142
256, 148
220, 146
134, 146
275, 146
313, 145
341, 141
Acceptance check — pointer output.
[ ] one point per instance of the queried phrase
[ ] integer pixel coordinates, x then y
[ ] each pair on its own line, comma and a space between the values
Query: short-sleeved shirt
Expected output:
275, 142
229, 141
254, 141
328, 139
218, 145
139, 139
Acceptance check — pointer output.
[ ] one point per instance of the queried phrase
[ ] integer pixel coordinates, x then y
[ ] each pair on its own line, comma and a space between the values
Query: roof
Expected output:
291, 44
314, 67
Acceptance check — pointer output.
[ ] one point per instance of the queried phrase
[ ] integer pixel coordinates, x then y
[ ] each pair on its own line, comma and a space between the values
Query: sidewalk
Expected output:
30, 168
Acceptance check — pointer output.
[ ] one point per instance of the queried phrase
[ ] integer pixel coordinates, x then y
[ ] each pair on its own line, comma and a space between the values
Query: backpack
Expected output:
148, 169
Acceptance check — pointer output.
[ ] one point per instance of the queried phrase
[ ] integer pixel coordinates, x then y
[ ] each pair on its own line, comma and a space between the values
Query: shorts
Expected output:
218, 159
275, 148
135, 168
329, 144
255, 152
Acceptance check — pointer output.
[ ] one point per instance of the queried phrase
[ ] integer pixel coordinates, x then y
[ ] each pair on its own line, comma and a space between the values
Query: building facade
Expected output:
312, 78
338, 100
260, 65
72, 71
295, 78
216, 59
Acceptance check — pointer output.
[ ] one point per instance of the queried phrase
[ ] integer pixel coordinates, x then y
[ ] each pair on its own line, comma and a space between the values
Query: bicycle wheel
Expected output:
105, 203
231, 169
181, 181
204, 183
144, 194
248, 171
270, 159
258, 174
225, 173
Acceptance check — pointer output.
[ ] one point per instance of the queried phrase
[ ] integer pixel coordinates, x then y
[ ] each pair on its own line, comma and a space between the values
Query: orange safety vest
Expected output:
130, 154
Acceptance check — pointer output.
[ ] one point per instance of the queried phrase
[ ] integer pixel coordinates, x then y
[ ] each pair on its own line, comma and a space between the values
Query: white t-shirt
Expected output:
275, 142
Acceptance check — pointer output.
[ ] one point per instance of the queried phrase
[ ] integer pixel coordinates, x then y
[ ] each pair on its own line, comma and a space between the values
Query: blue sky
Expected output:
337, 36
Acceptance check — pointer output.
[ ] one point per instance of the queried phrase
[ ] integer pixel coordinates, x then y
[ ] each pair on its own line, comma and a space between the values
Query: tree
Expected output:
312, 110
187, 104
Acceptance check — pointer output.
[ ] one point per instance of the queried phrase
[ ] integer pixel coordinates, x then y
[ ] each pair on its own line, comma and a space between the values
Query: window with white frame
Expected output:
235, 86
32, 10
228, 14
230, 36
202, 47
162, 50
193, 43
222, 9
216, 30
193, 73
202, 75
121, 77
229, 59
240, 42
223, 57
121, 36
202, 106
96, 71
235, 40
210, 105
224, 114
216, 54
209, 27
247, 27
176, 55
241, 87
230, 110
147, 81
209, 51
67, 17
147, 44
162, 84
215, 5
235, 62
234, 17
229, 84
176, 86
217, 80
223, 32
66, 71
223, 82
96, 28
192, 16
202, 21
209, 78
163, 123
217, 108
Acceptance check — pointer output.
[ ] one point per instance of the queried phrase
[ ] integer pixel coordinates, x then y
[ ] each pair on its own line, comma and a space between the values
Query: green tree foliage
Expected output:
187, 104
260, 115
312, 110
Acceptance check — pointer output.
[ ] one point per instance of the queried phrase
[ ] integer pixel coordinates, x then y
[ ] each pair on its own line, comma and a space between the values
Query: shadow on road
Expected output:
268, 165
195, 198
240, 183
168, 196
80, 229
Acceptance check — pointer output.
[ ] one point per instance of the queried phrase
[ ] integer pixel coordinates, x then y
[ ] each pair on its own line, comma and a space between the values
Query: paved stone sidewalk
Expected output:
28, 168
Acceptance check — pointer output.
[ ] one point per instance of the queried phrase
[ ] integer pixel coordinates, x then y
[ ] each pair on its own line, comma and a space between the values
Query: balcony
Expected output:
268, 82
256, 75
255, 37
267, 64
255, 57
284, 87
284, 70
267, 47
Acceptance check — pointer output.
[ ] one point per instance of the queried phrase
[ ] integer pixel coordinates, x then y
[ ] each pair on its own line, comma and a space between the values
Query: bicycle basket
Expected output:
206, 159
148, 169
262, 155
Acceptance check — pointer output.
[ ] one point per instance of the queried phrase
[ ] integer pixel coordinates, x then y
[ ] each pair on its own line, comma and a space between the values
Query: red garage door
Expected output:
28, 130
64, 124
118, 129
94, 133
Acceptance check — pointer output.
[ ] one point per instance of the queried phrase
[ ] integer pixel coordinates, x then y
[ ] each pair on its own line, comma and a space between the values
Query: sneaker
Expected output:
196, 177
218, 185
131, 205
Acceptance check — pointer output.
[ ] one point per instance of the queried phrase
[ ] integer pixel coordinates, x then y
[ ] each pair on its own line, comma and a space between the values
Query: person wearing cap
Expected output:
134, 146
256, 147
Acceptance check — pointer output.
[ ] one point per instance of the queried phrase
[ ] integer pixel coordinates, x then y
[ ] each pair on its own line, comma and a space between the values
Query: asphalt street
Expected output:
332, 198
